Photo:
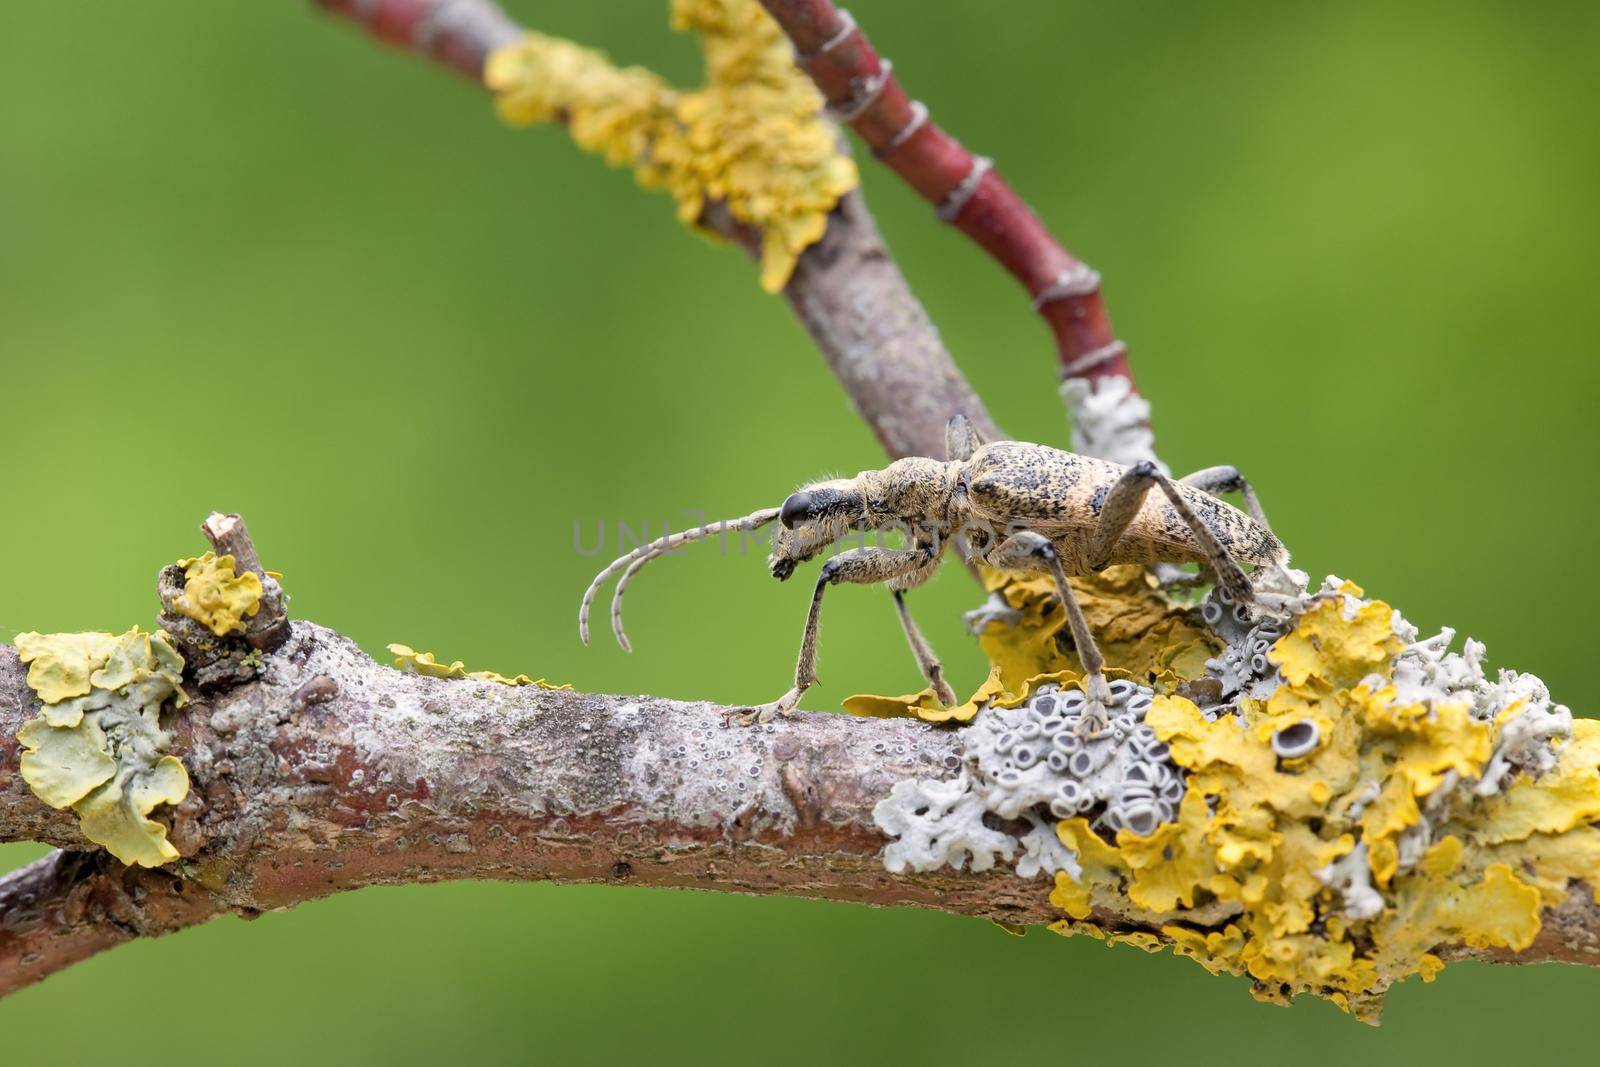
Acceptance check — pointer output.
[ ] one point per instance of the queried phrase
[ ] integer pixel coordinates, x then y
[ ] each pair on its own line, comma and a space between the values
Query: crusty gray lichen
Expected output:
1033, 765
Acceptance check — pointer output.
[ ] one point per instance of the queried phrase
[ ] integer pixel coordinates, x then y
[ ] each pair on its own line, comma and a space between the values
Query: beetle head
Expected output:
814, 517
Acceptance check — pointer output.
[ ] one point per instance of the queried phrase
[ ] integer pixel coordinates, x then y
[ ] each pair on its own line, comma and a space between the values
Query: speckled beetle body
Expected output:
1011, 505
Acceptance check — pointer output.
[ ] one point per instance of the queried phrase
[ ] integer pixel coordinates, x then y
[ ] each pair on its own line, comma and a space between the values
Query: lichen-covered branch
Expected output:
844, 285
1319, 801
331, 772
1309, 796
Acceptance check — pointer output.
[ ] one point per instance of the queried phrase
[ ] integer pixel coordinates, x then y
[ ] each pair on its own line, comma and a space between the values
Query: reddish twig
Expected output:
458, 34
966, 190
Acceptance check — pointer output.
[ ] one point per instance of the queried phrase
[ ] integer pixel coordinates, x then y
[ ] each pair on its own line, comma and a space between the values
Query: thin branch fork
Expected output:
965, 189
847, 290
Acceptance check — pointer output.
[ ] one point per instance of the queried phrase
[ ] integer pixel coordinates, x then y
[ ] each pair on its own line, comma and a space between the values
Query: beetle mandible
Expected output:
1014, 506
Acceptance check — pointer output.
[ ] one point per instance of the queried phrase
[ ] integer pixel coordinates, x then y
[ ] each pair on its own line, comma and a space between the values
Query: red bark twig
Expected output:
966, 190
458, 34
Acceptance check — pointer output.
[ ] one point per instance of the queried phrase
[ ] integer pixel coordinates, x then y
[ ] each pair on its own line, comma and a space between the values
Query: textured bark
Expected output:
846, 289
966, 190
877, 338
70, 905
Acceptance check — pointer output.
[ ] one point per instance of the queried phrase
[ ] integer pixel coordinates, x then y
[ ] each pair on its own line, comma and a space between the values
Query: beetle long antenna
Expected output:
616, 599
631, 563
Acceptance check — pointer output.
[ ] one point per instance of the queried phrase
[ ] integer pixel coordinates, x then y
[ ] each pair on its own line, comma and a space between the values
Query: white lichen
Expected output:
1043, 853
1427, 672
939, 823
1032, 763
1351, 875
1035, 756
1526, 739
1110, 420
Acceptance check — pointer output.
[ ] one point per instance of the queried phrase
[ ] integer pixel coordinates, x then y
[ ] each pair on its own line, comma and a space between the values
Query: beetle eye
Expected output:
796, 509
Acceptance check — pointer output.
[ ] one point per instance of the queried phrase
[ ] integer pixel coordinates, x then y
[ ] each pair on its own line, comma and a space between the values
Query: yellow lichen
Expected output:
1139, 939
1254, 830
95, 745
1330, 647
1142, 634
410, 660
59, 665
1248, 879
923, 704
215, 597
1145, 637
1072, 928
1171, 865
1071, 895
753, 139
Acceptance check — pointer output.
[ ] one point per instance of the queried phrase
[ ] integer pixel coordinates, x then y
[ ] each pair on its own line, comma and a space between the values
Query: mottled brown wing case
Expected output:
1047, 489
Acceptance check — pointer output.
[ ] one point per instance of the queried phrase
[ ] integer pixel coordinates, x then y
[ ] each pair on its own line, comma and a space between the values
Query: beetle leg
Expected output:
1123, 503
1219, 480
859, 566
927, 662
1030, 551
995, 609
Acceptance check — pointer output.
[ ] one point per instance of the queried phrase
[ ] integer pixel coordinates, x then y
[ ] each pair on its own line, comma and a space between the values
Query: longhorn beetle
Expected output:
1011, 505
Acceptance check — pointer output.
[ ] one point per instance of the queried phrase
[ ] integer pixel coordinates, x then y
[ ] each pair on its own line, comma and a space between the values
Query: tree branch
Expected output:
333, 772
846, 289
70, 905
966, 190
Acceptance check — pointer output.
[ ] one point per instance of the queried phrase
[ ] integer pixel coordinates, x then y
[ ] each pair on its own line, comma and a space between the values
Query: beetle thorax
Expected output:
912, 491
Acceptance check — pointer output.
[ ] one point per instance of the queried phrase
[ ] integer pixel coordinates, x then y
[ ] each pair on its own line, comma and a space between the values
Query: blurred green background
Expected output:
1353, 247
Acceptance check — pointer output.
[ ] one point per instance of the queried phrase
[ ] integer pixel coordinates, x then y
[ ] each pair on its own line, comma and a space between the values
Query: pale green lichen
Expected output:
753, 138
215, 597
411, 661
96, 745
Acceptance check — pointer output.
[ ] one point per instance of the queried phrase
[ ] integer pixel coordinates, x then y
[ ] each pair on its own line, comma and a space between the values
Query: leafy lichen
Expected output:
96, 745
217, 598
753, 138
410, 660
1144, 636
